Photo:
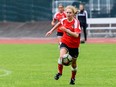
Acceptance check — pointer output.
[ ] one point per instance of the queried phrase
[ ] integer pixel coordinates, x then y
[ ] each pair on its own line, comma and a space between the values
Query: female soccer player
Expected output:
69, 42
57, 17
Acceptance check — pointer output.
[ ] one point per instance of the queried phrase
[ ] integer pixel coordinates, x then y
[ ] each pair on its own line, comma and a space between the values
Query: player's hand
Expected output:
63, 29
48, 33
52, 23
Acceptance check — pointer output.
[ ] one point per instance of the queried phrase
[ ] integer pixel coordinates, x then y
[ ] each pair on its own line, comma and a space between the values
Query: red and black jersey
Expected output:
73, 26
58, 16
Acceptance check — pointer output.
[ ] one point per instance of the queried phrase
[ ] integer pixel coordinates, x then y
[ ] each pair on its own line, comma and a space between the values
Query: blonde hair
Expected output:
74, 9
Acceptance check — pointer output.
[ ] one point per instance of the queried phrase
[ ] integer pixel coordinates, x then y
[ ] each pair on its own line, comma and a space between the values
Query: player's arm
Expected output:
74, 34
54, 28
86, 15
53, 22
86, 18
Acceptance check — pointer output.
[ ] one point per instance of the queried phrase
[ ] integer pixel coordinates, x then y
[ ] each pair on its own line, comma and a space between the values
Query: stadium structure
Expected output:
31, 18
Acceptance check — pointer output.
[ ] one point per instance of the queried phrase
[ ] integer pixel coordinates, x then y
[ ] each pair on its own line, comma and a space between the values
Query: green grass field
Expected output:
36, 65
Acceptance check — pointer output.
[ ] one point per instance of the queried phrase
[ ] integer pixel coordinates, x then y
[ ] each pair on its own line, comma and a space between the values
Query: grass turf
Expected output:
36, 65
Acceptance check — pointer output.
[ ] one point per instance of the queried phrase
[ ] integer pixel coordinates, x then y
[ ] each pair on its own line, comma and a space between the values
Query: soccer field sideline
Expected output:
51, 40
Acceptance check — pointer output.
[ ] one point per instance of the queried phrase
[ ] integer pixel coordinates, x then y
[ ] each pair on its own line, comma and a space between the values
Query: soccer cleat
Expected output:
57, 76
72, 81
82, 42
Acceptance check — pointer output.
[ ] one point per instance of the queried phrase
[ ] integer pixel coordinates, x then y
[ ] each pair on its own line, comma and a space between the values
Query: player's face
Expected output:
61, 9
81, 7
69, 13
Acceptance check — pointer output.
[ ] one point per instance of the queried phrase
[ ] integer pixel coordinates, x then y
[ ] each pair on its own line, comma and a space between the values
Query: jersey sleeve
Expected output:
77, 27
62, 21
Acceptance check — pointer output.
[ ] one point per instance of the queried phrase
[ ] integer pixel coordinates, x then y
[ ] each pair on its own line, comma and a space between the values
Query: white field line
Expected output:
5, 72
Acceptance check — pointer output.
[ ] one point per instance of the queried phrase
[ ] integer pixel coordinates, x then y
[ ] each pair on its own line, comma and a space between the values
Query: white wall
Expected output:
101, 20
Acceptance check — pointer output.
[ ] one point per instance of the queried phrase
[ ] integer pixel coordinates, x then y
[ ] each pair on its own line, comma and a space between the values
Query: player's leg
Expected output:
85, 32
59, 36
63, 50
59, 39
82, 35
74, 53
74, 71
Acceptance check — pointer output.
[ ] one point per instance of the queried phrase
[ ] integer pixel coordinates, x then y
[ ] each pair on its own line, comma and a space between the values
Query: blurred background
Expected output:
31, 18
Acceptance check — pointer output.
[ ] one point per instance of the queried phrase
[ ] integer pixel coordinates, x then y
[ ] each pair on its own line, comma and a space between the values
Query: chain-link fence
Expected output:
25, 10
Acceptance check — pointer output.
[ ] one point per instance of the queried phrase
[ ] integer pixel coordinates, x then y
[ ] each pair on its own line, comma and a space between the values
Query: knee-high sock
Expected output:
74, 71
60, 68
73, 74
